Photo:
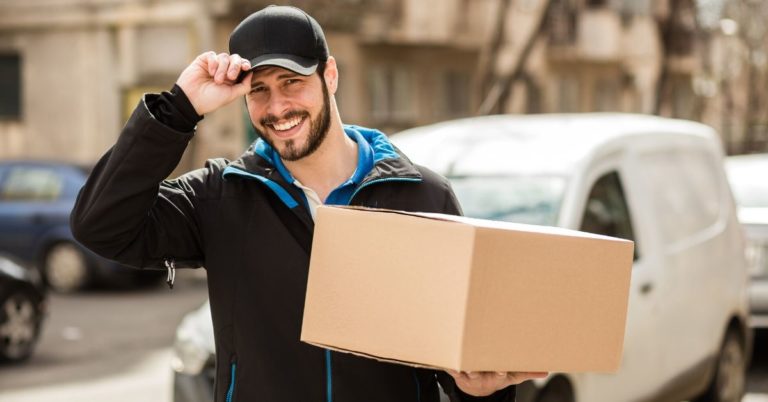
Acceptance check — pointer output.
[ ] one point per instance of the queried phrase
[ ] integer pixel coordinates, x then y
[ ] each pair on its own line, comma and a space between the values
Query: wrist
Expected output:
184, 105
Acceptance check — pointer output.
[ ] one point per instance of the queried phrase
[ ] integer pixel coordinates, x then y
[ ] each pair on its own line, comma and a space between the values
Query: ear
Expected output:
331, 75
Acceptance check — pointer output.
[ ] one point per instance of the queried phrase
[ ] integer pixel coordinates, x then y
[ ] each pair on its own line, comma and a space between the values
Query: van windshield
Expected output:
522, 199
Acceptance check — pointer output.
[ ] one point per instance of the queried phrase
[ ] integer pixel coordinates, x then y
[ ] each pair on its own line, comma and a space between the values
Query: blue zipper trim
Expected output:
329, 381
276, 188
418, 386
404, 179
231, 389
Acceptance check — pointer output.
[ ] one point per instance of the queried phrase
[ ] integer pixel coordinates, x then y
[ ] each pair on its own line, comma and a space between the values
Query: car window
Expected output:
606, 211
522, 199
31, 184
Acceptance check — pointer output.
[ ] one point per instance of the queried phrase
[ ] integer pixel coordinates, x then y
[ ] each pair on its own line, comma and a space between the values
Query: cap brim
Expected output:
299, 65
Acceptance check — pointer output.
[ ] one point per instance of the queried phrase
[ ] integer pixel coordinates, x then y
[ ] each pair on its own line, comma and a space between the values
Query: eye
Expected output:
290, 81
258, 89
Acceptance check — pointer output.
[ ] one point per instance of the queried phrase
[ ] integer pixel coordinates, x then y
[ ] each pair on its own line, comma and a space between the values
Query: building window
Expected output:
597, 3
10, 86
453, 94
569, 94
635, 7
533, 102
683, 97
561, 22
390, 94
607, 95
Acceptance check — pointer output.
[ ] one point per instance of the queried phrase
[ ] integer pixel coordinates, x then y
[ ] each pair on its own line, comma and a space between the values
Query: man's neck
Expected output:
330, 165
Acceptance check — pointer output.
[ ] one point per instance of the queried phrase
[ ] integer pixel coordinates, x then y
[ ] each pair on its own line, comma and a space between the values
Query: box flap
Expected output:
549, 230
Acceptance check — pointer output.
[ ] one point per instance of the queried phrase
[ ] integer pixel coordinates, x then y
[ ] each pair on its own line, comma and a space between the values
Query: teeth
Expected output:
287, 125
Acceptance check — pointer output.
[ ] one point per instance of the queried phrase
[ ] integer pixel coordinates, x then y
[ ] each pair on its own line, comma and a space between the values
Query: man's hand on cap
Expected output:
210, 81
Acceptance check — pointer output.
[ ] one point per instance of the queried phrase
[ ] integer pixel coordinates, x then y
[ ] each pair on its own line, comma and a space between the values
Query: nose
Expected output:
278, 104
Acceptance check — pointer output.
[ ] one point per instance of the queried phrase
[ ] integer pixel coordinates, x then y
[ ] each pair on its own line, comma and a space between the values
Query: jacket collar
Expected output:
388, 161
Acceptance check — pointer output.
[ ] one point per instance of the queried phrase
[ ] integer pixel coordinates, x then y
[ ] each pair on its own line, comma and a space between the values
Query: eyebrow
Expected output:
279, 77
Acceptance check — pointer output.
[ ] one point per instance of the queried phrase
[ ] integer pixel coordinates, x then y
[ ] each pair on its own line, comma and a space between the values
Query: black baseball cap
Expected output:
280, 36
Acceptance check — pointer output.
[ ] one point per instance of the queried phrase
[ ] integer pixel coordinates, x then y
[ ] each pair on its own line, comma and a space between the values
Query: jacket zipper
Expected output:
231, 389
170, 265
328, 377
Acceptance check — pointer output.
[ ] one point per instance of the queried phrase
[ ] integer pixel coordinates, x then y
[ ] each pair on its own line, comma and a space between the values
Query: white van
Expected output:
657, 181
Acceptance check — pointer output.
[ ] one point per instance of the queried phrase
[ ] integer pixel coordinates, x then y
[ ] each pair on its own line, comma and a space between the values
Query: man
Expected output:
250, 221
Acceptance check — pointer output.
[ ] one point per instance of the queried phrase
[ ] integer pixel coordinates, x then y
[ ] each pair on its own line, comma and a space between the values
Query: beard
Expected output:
318, 130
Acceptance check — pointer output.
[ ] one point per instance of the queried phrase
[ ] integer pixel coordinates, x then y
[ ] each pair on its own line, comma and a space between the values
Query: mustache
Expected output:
272, 119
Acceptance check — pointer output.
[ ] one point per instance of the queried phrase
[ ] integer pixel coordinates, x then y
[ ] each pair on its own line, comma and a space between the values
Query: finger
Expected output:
221, 70
235, 66
519, 377
246, 65
213, 63
244, 86
204, 57
457, 375
473, 375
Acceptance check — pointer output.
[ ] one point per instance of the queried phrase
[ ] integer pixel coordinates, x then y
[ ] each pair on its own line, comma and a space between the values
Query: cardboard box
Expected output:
466, 294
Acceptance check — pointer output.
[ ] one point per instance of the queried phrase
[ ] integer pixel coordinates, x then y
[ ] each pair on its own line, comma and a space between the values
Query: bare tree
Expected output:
677, 31
754, 35
490, 53
500, 91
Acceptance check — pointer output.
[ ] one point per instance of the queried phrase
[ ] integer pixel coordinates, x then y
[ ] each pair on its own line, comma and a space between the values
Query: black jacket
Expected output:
254, 243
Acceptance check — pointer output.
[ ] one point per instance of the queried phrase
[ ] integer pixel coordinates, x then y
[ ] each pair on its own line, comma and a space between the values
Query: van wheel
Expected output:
557, 390
66, 269
728, 382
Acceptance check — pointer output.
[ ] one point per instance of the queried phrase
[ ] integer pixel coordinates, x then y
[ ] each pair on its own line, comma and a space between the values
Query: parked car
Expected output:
36, 199
22, 310
193, 360
657, 181
748, 175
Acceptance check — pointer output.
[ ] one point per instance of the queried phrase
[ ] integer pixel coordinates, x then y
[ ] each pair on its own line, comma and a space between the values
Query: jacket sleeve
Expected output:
127, 212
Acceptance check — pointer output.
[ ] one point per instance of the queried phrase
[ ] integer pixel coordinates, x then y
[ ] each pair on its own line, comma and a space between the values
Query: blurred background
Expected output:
72, 71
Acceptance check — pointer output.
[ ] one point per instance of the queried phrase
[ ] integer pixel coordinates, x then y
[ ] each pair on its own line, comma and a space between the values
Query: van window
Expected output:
684, 189
606, 211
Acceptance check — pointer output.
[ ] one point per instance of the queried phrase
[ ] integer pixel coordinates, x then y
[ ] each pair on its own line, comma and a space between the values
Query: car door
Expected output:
31, 204
607, 210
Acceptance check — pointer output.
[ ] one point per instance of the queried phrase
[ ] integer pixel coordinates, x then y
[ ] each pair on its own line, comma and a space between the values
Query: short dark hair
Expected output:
321, 68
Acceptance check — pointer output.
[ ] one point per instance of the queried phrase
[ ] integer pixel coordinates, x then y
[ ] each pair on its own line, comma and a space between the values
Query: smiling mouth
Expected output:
285, 125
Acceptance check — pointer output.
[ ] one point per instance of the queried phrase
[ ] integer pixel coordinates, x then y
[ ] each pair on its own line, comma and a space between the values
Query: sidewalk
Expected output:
148, 381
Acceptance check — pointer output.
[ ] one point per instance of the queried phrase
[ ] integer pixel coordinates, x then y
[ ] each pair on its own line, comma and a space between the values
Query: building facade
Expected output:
71, 71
